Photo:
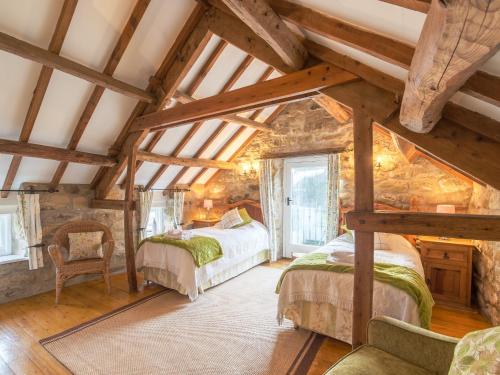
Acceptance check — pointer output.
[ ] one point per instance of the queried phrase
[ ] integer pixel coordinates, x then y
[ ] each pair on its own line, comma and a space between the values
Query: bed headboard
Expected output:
253, 208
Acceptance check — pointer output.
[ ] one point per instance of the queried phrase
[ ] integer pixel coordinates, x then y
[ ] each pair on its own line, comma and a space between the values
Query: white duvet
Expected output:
337, 288
237, 245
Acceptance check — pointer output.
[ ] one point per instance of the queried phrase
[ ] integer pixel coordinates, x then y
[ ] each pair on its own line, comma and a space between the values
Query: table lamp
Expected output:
208, 204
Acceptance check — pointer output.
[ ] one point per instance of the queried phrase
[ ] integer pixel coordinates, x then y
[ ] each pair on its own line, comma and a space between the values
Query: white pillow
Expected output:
385, 241
230, 219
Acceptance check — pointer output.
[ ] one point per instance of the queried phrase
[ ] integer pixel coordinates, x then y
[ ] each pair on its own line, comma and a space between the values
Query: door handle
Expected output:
288, 201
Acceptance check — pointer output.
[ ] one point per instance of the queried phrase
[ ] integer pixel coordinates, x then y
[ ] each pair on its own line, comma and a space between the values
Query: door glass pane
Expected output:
308, 205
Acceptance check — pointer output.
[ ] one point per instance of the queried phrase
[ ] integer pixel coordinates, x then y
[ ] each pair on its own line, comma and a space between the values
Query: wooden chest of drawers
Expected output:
448, 268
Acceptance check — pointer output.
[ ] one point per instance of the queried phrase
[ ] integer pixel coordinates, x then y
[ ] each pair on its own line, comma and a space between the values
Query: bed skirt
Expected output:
169, 280
323, 318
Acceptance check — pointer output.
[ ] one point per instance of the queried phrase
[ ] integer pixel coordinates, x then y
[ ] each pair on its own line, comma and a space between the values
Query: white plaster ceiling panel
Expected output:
94, 31
105, 125
61, 108
200, 137
189, 175
33, 22
221, 71
207, 175
251, 74
477, 105
167, 177
171, 139
78, 174
384, 18
152, 40
268, 111
236, 144
145, 172
18, 79
198, 64
220, 141
35, 170
146, 140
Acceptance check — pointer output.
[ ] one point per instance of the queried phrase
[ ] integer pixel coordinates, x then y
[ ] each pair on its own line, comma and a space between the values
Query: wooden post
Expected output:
128, 215
363, 201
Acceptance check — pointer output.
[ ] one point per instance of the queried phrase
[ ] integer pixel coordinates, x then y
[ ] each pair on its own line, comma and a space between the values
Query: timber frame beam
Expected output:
291, 87
186, 162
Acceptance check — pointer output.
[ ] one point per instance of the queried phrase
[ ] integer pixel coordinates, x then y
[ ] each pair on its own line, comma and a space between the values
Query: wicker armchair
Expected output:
68, 269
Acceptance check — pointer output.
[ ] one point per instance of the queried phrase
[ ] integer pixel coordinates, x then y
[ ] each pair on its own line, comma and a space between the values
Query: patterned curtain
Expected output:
145, 203
29, 227
271, 200
175, 209
332, 221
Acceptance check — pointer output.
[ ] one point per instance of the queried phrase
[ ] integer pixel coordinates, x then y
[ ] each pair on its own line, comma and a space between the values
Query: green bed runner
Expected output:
203, 249
401, 277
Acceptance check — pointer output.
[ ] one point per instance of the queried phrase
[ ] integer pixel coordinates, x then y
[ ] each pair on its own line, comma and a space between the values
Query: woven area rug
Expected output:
231, 329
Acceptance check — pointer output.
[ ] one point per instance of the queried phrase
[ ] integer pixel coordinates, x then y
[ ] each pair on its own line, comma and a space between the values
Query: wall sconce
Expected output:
249, 169
378, 162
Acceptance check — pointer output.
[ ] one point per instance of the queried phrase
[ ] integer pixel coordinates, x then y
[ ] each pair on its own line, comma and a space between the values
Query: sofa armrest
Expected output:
413, 344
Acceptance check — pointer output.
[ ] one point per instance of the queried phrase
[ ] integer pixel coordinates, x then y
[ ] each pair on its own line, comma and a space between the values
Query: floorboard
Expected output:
24, 322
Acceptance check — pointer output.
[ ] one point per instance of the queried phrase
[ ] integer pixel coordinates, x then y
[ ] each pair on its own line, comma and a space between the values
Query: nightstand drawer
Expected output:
449, 253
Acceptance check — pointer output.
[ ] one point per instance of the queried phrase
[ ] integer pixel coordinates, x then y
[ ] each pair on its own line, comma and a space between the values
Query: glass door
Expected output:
305, 210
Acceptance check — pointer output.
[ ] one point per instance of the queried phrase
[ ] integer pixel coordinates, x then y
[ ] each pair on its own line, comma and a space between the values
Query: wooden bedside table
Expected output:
202, 223
448, 268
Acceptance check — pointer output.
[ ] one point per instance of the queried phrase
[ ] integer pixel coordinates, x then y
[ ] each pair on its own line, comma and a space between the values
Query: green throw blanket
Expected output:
401, 277
203, 249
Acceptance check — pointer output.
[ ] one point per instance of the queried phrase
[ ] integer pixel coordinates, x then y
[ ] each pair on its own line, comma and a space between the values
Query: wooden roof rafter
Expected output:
197, 125
56, 42
113, 61
208, 142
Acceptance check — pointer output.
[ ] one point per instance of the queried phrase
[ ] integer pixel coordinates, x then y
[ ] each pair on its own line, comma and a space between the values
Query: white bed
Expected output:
321, 301
173, 267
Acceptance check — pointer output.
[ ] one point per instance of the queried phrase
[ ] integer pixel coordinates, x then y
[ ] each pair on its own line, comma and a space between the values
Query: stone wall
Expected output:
305, 126
486, 276
70, 203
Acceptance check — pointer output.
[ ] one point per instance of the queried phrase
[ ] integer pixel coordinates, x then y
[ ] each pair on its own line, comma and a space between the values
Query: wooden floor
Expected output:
24, 322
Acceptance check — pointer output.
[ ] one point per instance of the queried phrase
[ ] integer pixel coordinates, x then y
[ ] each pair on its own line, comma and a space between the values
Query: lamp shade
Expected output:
208, 204
445, 208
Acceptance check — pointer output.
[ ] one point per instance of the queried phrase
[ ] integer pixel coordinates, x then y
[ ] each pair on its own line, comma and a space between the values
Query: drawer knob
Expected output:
446, 256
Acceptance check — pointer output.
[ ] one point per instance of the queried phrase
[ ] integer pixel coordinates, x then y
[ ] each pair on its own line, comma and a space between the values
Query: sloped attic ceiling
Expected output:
93, 32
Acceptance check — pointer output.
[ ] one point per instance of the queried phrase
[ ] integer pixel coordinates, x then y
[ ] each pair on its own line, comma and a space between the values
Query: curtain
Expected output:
145, 203
175, 209
271, 200
29, 227
332, 221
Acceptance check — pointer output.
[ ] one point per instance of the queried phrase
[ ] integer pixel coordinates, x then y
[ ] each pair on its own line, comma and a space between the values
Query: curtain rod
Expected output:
30, 190
173, 189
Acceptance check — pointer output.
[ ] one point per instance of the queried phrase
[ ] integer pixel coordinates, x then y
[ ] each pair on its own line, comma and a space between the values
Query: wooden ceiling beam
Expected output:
378, 45
187, 162
450, 142
187, 47
120, 47
407, 149
234, 31
111, 204
457, 38
291, 87
416, 5
259, 16
477, 227
56, 42
197, 125
335, 109
53, 153
243, 121
193, 86
52, 60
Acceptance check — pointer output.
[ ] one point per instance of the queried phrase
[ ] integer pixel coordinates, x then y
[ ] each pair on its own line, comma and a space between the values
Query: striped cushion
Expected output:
230, 219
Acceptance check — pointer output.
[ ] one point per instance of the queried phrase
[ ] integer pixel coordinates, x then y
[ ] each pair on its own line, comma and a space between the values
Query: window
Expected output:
156, 222
12, 248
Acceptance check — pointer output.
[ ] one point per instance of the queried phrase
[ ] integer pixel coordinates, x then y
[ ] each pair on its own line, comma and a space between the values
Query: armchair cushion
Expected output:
478, 353
370, 360
412, 344
85, 245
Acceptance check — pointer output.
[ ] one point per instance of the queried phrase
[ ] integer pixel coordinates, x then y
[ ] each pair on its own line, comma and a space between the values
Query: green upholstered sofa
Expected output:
398, 348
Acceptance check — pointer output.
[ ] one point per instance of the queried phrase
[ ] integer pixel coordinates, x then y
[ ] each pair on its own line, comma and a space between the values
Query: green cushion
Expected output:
244, 216
478, 353
370, 360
